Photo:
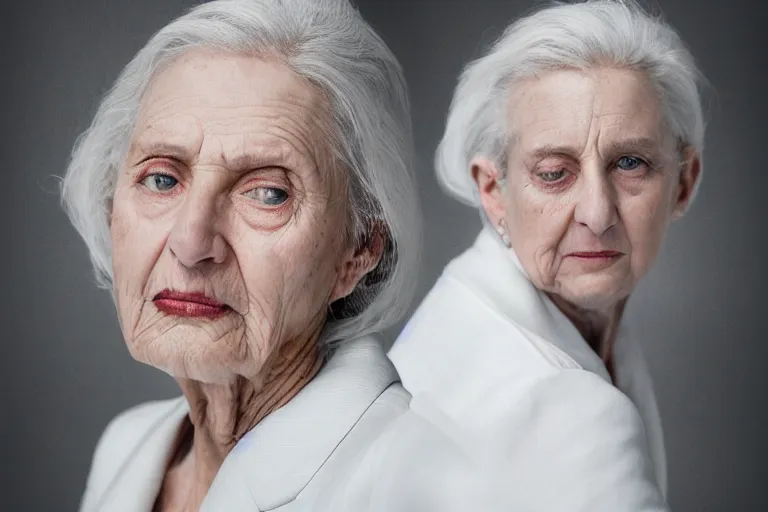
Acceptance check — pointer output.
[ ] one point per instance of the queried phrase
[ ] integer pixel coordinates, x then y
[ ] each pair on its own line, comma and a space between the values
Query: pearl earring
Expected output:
503, 233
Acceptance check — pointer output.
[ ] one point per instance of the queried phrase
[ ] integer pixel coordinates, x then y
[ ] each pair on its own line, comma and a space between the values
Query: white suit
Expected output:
285, 463
526, 395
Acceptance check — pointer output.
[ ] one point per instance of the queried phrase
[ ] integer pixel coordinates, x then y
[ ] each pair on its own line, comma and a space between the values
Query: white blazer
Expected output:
288, 462
527, 394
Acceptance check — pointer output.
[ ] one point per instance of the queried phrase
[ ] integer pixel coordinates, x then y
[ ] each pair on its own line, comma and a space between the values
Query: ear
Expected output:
488, 179
359, 261
689, 176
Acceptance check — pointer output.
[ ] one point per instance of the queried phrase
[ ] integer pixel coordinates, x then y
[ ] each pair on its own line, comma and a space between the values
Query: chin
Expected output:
594, 292
191, 357
203, 371
199, 372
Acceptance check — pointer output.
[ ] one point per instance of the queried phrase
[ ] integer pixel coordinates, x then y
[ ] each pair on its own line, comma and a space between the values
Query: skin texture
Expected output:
230, 189
591, 167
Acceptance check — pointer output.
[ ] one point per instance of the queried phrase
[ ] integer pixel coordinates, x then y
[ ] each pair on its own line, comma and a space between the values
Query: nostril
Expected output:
191, 251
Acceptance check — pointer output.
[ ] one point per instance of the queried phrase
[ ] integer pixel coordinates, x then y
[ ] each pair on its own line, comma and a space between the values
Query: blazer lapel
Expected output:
276, 460
494, 273
138, 482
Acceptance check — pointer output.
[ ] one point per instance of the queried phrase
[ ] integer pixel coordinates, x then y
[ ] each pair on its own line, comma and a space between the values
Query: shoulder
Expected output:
575, 432
373, 425
574, 393
120, 439
391, 402
563, 409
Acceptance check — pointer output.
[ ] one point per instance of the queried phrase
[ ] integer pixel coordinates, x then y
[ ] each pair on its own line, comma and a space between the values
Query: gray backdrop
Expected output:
65, 370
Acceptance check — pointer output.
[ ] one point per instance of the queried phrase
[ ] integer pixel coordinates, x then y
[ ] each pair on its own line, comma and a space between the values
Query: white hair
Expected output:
329, 44
616, 33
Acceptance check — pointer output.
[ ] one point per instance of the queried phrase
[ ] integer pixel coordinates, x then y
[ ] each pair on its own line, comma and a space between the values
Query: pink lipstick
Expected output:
595, 254
596, 260
188, 304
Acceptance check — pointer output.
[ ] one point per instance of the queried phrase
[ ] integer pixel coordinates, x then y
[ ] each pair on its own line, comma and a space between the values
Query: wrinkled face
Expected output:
228, 218
593, 180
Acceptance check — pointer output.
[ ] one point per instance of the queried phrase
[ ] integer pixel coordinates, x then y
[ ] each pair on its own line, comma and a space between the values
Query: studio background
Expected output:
64, 366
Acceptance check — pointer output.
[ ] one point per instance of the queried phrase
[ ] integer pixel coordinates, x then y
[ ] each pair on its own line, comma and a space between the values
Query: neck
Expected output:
221, 414
597, 327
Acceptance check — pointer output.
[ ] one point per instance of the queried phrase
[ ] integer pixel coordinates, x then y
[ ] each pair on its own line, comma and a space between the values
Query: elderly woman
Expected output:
245, 192
578, 136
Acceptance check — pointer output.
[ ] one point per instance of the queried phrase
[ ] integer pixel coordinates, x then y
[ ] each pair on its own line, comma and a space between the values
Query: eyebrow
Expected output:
162, 148
260, 156
263, 156
644, 145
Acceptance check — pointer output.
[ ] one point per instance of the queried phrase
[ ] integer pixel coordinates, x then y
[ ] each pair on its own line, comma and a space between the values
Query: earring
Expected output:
502, 230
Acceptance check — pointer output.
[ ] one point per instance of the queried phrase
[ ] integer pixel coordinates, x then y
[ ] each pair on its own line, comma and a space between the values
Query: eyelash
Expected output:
641, 162
158, 170
286, 194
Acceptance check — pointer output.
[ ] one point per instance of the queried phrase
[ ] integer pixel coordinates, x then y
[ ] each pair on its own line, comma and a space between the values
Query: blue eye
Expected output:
268, 195
629, 163
159, 182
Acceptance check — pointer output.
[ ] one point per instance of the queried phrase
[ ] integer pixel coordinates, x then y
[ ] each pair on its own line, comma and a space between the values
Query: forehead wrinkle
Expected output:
632, 137
309, 139
298, 130
549, 131
625, 135
179, 136
291, 111
180, 148
547, 109
167, 107
550, 141
280, 138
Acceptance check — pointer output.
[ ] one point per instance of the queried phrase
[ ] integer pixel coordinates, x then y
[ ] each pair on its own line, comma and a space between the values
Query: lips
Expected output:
595, 254
186, 304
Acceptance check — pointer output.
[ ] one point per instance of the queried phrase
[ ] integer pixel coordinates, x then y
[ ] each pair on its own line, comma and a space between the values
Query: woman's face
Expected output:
593, 180
228, 219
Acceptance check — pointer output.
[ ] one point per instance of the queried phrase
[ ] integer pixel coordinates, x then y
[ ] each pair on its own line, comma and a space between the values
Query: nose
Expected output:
596, 206
194, 238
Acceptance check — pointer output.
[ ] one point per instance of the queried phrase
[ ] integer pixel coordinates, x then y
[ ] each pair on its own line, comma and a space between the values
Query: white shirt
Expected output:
288, 462
525, 395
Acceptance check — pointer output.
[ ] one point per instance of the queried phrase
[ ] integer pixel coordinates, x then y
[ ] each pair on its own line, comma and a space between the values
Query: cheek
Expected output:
288, 277
123, 226
537, 223
136, 246
646, 218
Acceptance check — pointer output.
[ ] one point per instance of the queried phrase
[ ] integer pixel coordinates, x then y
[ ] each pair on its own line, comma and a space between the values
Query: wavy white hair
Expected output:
328, 43
581, 35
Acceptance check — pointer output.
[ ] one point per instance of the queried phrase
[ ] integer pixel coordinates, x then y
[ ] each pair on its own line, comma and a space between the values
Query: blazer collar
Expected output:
494, 273
137, 483
274, 461
278, 458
